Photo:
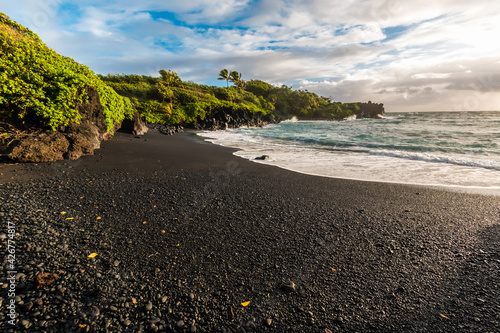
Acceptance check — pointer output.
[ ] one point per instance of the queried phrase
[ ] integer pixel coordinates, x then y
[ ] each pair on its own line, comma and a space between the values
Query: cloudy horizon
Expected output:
412, 56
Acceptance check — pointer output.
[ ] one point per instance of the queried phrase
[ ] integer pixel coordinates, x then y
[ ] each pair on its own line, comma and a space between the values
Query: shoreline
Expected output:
471, 189
27, 170
493, 191
185, 232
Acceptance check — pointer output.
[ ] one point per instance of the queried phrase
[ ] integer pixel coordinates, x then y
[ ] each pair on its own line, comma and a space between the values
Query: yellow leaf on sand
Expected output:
83, 325
333, 269
443, 316
92, 255
70, 218
245, 303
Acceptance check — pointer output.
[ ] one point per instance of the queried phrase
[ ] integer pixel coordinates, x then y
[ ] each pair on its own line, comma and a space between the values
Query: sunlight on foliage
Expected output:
40, 87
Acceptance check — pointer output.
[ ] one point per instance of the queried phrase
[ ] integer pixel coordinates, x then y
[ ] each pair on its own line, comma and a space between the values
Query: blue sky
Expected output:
424, 55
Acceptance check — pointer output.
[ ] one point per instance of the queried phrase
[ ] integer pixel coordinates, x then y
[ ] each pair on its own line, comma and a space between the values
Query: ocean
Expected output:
456, 150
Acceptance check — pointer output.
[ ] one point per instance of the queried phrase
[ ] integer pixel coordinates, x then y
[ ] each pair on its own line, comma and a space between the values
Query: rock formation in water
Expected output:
369, 110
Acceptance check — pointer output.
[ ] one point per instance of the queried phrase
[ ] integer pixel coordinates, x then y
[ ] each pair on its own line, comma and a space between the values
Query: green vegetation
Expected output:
42, 88
169, 100
299, 103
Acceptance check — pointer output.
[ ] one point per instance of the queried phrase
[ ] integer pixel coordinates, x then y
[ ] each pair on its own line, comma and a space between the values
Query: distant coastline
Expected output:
64, 111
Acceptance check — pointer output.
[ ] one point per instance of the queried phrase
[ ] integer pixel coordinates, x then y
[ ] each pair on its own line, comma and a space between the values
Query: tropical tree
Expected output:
224, 75
259, 88
168, 79
235, 77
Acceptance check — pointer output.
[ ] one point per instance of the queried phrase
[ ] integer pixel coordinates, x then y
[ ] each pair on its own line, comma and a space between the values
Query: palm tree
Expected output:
236, 78
224, 75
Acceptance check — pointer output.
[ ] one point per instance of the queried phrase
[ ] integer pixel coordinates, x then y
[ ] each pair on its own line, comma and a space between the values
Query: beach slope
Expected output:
187, 237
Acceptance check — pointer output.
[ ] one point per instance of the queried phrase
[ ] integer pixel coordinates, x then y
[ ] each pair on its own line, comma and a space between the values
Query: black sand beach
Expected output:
185, 233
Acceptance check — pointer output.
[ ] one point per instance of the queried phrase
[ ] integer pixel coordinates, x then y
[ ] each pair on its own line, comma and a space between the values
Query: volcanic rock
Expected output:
42, 148
44, 279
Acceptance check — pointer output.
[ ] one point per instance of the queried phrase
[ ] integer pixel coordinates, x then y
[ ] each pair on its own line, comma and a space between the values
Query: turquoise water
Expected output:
441, 148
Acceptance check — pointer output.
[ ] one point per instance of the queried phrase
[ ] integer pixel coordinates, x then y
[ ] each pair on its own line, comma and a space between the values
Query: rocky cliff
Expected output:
369, 110
51, 107
224, 118
68, 142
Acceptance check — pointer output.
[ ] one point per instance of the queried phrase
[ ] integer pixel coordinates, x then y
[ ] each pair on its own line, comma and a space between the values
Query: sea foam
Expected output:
405, 149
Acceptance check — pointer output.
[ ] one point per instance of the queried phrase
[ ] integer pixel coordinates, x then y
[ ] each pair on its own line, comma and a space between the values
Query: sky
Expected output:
419, 55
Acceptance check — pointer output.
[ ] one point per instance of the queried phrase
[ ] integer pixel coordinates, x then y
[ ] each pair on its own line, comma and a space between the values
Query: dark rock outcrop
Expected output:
170, 130
79, 145
166, 129
136, 126
44, 147
225, 118
92, 111
369, 110
71, 142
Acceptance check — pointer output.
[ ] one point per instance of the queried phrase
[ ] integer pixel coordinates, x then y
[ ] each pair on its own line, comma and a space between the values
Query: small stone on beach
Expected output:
262, 158
288, 288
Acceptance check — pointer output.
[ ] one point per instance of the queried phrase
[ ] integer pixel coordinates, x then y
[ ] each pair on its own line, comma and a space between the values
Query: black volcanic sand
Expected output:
185, 232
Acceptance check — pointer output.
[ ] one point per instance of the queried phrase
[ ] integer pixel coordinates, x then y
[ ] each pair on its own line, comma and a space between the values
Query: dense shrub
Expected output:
42, 88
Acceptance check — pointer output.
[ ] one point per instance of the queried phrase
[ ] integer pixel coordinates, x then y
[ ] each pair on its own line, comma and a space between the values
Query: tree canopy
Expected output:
168, 99
42, 87
236, 78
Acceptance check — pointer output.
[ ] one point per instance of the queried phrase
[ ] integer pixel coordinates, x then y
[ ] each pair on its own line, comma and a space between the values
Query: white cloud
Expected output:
433, 52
